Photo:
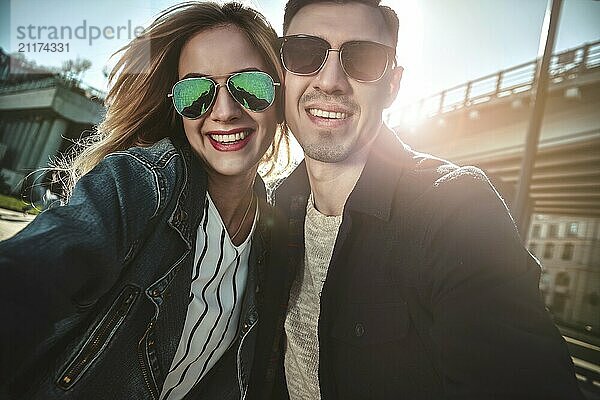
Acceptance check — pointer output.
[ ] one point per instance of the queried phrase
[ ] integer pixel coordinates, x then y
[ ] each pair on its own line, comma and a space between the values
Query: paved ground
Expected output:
12, 222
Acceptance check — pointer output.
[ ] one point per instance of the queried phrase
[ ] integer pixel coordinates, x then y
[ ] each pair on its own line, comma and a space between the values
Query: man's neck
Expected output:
332, 183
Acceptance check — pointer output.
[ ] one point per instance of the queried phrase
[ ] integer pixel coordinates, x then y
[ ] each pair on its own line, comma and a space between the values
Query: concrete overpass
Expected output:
40, 116
484, 123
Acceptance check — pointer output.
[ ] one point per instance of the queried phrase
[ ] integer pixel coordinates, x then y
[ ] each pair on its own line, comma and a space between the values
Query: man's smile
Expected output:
327, 114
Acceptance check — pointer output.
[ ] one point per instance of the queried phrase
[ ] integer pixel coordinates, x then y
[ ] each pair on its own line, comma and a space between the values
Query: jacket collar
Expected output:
374, 191
191, 194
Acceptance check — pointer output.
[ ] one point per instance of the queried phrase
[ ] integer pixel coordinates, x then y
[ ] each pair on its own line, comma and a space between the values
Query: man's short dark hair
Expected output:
388, 14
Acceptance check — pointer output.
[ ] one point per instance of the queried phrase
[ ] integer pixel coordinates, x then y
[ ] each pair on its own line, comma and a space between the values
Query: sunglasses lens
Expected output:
304, 55
364, 61
193, 97
254, 90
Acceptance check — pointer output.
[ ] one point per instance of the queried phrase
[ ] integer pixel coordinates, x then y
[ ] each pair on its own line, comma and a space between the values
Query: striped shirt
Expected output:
211, 324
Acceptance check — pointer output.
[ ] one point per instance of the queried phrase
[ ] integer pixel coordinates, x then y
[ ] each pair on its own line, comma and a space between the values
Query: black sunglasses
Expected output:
253, 90
362, 60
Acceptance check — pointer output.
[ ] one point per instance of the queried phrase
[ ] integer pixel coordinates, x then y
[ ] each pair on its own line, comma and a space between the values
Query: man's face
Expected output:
334, 116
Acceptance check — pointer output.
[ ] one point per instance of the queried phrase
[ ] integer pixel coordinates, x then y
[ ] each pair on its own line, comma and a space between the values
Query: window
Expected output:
553, 231
573, 229
532, 248
567, 253
535, 231
562, 279
593, 299
549, 250
559, 301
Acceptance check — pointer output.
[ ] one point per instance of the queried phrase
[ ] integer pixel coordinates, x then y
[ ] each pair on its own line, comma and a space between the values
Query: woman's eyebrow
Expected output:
199, 75
194, 75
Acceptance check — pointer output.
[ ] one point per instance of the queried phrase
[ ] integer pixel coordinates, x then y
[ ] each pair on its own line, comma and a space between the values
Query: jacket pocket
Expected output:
99, 338
365, 350
365, 324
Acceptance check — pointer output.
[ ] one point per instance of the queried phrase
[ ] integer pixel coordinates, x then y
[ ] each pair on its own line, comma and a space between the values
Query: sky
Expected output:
442, 43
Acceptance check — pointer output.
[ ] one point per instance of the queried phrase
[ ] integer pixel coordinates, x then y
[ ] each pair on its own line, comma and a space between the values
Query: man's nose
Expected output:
332, 79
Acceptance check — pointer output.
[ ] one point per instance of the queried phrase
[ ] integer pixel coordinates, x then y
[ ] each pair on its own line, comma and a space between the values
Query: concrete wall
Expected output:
36, 121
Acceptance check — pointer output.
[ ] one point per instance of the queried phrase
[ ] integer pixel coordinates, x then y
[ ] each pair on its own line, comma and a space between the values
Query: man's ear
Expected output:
394, 85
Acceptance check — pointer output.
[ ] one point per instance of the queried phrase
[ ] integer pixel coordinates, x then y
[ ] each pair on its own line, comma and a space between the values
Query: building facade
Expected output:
41, 115
569, 250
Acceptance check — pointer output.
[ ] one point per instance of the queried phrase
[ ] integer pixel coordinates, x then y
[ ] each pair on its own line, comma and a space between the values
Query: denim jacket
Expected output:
96, 292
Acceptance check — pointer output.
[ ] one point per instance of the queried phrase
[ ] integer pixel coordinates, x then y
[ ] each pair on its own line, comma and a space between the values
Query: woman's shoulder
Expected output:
149, 169
158, 155
159, 162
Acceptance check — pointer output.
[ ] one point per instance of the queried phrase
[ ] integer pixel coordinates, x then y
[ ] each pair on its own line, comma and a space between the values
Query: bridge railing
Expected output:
563, 66
7, 86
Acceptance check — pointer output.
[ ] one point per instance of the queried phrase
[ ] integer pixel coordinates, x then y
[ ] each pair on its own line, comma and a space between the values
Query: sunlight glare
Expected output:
410, 56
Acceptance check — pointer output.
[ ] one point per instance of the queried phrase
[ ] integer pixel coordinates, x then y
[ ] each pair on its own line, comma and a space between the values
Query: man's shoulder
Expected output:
419, 169
436, 194
430, 181
437, 173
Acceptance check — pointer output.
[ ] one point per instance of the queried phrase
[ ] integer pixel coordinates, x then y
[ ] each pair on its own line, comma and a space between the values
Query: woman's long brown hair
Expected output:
138, 110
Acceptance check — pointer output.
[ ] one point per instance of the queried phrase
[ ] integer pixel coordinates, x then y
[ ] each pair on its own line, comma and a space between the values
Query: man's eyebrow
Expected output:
199, 75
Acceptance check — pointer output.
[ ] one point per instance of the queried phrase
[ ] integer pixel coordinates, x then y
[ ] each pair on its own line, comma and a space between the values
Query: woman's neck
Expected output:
233, 197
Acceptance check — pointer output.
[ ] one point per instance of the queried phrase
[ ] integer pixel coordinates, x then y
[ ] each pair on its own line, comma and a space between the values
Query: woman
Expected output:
150, 283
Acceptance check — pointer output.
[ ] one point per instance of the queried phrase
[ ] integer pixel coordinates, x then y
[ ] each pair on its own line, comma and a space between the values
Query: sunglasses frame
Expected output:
212, 78
390, 52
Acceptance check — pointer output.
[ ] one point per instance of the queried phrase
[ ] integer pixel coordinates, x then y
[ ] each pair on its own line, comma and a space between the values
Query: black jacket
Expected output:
430, 293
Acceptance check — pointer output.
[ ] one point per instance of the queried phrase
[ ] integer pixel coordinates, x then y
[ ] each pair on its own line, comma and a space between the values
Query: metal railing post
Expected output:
466, 101
520, 210
499, 83
584, 57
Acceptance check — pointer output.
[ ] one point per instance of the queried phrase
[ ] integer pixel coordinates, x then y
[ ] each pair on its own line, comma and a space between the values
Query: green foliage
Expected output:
11, 203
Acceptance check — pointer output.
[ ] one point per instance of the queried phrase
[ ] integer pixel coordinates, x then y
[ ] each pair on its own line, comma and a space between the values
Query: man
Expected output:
412, 281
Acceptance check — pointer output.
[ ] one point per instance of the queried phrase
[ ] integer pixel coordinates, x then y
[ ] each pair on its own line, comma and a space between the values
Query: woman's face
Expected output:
220, 52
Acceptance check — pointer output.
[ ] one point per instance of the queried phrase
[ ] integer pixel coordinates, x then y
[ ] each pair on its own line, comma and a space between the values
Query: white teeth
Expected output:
327, 114
234, 137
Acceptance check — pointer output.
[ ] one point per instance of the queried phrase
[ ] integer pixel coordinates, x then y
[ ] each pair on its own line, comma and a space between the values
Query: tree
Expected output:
74, 69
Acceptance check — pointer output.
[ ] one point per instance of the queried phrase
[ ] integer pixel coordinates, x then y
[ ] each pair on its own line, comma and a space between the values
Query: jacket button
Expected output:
155, 293
359, 330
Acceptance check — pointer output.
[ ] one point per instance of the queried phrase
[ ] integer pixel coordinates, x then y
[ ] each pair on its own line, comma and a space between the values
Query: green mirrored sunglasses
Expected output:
253, 90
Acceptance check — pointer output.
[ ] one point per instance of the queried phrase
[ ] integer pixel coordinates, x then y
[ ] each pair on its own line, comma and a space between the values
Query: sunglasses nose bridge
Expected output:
230, 109
339, 57
218, 86
327, 57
